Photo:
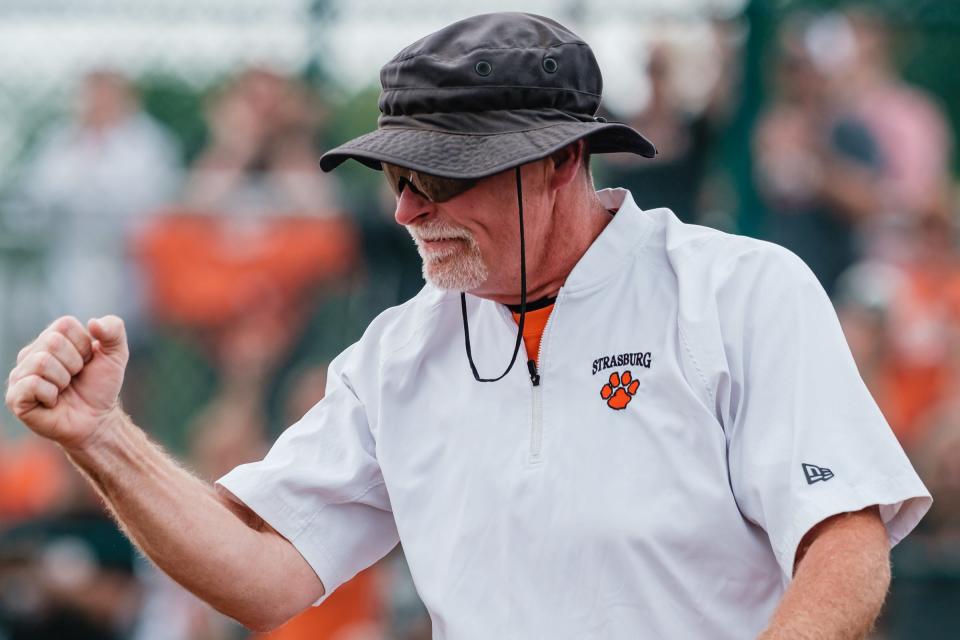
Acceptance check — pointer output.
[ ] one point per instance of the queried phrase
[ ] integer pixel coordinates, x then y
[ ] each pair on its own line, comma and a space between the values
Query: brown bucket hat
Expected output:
486, 94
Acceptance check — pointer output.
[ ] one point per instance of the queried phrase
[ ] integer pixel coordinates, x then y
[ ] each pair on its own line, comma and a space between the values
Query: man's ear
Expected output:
567, 163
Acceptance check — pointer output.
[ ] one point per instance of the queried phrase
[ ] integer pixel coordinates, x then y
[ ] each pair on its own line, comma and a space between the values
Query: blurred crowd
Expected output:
242, 271
239, 277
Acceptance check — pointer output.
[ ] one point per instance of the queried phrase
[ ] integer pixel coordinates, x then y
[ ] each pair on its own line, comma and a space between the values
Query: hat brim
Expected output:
468, 155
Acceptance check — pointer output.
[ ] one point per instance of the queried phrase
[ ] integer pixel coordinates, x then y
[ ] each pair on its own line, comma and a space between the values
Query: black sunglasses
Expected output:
432, 188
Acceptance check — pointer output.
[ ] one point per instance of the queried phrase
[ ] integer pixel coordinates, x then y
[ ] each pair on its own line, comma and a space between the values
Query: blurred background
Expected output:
158, 161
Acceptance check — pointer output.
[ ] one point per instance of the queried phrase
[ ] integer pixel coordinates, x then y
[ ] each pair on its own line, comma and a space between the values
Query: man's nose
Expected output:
410, 206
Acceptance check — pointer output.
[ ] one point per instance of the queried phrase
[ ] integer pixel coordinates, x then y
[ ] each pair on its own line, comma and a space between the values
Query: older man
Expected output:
689, 452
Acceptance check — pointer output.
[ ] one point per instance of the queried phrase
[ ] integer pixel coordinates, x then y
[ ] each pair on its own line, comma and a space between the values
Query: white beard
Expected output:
459, 268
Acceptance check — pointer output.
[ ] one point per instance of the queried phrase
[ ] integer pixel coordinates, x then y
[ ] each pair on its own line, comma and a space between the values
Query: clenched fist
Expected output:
67, 381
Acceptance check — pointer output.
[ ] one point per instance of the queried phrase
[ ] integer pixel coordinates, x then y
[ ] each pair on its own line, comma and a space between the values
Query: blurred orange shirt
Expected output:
205, 269
356, 604
925, 331
33, 478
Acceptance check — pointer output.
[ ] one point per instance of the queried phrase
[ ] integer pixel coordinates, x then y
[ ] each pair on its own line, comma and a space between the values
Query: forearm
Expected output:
179, 522
839, 585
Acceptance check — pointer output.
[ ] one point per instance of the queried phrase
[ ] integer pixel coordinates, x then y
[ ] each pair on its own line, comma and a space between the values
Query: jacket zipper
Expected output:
536, 422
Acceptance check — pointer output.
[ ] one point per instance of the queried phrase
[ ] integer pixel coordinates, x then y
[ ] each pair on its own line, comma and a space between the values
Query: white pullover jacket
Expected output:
698, 412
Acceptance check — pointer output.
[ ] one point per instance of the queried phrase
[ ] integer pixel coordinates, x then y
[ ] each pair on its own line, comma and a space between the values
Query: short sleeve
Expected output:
805, 438
320, 486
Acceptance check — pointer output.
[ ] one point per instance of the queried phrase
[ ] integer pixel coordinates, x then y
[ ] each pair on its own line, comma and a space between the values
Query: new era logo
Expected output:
815, 473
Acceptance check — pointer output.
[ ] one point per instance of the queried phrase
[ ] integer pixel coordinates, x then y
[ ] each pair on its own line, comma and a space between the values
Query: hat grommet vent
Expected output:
550, 65
483, 68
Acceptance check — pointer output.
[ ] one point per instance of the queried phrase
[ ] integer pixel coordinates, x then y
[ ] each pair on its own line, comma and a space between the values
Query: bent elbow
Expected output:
267, 616
263, 622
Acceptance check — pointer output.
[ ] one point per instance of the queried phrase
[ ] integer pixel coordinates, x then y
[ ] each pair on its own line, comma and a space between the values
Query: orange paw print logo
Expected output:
620, 390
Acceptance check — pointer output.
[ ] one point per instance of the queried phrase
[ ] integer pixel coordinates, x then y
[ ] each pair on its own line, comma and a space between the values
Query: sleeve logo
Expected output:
814, 473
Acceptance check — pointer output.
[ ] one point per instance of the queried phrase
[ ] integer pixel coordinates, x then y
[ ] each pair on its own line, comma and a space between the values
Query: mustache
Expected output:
438, 230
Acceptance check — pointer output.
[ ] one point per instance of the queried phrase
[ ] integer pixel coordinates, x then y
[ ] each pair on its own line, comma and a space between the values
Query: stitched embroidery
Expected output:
620, 389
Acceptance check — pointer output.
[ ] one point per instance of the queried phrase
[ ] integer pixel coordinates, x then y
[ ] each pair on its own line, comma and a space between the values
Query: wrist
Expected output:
107, 426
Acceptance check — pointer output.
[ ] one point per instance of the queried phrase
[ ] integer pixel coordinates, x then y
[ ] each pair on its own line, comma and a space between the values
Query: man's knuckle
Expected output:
42, 341
27, 366
64, 323
39, 362
57, 340
69, 332
73, 365
39, 387
23, 353
57, 364
46, 360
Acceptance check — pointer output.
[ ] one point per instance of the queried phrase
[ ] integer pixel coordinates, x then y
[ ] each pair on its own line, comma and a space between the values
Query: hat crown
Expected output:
497, 61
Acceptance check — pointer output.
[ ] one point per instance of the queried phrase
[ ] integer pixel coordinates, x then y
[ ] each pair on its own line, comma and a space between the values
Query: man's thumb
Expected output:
109, 332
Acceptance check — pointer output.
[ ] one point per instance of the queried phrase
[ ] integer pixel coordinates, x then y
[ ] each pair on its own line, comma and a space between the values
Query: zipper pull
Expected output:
534, 376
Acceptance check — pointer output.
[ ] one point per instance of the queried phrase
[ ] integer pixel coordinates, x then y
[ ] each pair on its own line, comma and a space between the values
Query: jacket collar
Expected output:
620, 238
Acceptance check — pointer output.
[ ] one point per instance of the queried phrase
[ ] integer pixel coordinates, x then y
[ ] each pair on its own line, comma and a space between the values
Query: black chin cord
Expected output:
523, 300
